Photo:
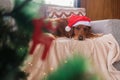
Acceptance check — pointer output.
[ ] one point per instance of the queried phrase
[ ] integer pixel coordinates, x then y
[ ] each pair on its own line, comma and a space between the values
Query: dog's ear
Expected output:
70, 33
89, 29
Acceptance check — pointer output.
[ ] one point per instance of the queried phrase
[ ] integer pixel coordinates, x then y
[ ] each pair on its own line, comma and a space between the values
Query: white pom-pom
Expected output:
67, 28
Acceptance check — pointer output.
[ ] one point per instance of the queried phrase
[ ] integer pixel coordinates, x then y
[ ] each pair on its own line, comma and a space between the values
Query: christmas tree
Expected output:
75, 68
15, 32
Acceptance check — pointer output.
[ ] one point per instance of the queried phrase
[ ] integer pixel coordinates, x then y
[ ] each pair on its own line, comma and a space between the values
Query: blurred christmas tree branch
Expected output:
75, 68
15, 32
13, 49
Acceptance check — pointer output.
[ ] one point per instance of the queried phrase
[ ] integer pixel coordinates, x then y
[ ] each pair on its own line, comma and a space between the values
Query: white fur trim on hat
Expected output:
86, 23
67, 28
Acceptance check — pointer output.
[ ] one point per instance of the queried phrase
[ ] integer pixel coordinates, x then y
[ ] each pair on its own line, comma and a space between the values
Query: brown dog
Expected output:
79, 32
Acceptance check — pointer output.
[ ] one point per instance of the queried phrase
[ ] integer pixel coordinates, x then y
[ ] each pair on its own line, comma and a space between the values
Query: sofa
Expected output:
106, 26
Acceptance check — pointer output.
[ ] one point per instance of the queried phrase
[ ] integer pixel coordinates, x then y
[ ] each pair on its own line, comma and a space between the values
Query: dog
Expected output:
80, 32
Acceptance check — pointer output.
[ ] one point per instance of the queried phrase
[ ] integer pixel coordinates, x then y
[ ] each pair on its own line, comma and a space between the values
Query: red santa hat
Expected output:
76, 20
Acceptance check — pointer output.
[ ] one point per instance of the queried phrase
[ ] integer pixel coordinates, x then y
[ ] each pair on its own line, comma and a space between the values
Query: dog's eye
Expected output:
85, 29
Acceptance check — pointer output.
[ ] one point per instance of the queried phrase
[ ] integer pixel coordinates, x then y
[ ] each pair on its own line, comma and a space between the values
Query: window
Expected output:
69, 3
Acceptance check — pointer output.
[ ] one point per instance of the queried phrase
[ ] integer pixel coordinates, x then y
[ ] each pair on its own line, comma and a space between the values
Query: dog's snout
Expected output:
81, 38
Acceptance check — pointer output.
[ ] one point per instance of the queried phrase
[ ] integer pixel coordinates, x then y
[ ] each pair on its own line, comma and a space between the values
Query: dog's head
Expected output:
81, 32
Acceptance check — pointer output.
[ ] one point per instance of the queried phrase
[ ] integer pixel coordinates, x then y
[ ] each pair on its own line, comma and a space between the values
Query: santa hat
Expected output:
76, 20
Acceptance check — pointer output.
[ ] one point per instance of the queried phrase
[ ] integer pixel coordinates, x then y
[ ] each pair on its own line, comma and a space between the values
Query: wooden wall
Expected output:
102, 9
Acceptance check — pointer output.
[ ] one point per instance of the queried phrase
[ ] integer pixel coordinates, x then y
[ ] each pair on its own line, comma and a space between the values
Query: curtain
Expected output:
76, 3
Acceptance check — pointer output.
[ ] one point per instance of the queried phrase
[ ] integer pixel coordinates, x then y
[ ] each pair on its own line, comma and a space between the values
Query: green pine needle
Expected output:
76, 68
26, 14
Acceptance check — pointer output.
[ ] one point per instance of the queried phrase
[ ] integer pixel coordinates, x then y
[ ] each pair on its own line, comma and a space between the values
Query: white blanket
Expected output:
103, 51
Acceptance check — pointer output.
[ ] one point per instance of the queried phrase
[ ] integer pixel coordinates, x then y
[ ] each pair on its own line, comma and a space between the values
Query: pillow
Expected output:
63, 12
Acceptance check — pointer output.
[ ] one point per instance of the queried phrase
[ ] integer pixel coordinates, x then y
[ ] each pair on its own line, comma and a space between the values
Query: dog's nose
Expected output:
80, 37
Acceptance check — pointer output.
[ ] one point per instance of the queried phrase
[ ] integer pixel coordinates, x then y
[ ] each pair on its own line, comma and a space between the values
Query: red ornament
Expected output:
40, 38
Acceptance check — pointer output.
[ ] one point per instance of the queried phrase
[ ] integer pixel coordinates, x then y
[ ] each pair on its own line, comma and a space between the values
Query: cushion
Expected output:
63, 12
